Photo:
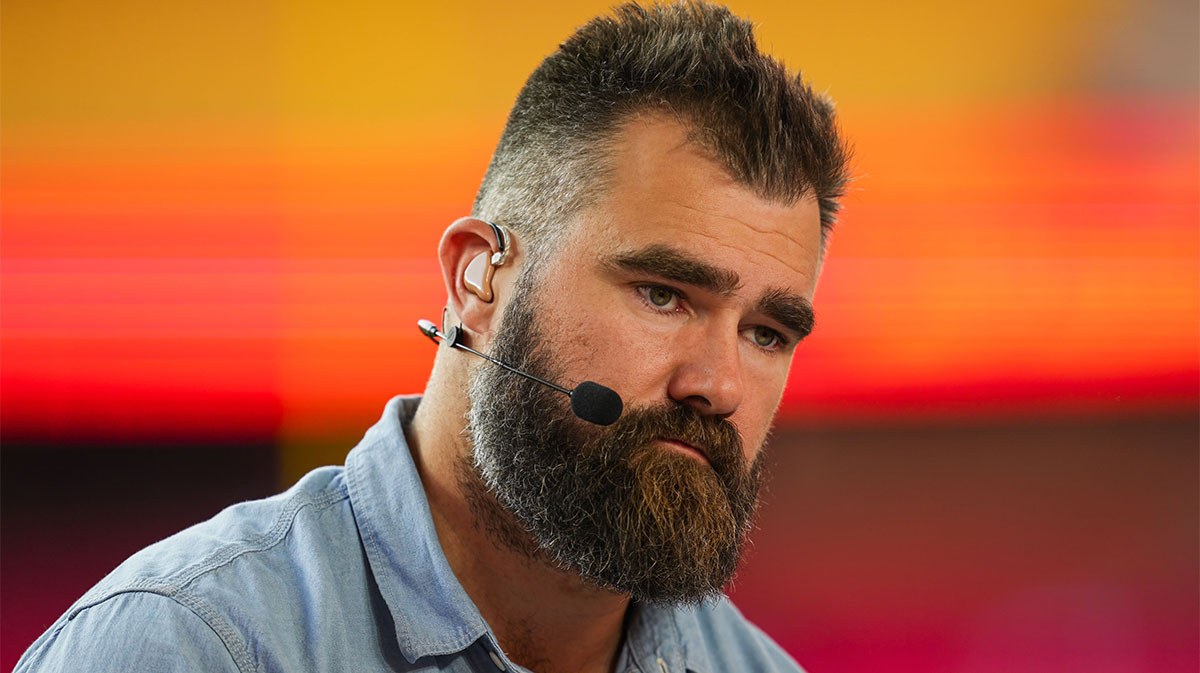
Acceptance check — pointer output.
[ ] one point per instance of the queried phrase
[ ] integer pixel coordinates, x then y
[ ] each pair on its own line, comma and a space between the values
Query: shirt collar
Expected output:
432, 613
669, 633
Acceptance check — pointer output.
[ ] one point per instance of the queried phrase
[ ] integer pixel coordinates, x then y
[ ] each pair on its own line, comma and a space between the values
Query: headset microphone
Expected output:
590, 401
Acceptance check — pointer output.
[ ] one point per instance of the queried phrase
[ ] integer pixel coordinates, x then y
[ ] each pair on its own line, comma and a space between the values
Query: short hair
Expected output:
695, 61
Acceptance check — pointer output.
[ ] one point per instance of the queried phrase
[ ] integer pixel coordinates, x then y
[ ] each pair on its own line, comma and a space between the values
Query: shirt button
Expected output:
497, 660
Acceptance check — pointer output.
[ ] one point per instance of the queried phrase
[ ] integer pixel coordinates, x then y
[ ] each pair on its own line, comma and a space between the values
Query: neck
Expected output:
545, 618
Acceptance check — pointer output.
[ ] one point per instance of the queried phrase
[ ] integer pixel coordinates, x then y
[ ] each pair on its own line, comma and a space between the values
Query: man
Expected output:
653, 220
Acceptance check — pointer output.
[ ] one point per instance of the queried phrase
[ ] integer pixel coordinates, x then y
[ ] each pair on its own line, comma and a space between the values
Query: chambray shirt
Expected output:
343, 572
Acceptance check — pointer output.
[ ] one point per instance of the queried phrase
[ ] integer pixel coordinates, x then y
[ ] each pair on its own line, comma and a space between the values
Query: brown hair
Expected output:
693, 60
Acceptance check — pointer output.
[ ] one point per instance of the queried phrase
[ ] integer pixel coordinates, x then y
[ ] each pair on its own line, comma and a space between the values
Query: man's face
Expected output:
685, 293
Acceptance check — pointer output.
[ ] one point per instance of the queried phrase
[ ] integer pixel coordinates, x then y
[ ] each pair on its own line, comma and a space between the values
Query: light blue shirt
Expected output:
343, 572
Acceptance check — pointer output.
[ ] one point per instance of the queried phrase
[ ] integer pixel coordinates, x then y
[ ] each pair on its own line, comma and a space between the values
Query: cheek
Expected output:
752, 437
758, 410
603, 345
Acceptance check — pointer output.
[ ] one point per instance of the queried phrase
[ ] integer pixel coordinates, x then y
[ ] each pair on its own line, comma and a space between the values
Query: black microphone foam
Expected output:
595, 403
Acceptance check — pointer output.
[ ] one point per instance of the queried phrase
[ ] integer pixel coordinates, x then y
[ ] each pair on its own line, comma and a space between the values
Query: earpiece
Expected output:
478, 276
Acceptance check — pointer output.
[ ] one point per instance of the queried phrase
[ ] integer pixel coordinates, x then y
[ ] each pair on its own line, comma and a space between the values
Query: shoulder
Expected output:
185, 598
237, 541
732, 642
133, 632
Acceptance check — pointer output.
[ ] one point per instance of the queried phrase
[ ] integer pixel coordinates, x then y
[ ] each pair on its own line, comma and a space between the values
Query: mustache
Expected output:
718, 438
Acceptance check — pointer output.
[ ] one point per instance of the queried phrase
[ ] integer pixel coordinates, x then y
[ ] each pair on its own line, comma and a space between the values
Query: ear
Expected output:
465, 248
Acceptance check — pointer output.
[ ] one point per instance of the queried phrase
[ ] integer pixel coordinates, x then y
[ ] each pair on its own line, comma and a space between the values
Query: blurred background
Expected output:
218, 222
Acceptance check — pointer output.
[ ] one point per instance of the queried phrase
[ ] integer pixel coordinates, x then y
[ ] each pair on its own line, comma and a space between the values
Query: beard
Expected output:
609, 503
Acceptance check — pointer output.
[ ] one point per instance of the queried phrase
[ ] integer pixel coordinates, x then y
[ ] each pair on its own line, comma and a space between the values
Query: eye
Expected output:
659, 297
765, 337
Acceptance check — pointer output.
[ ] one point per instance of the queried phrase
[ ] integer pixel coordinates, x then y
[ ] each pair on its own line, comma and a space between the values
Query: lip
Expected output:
690, 450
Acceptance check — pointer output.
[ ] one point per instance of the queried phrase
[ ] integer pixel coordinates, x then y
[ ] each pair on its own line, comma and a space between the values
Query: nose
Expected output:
708, 372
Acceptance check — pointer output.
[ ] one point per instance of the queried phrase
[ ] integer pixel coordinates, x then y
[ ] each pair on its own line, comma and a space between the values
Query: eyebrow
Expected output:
791, 310
667, 262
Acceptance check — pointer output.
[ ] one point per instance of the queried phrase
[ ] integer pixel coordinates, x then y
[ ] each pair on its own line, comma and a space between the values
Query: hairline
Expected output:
598, 182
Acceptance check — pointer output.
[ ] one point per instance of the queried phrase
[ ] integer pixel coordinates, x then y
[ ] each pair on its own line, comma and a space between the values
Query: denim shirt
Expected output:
343, 572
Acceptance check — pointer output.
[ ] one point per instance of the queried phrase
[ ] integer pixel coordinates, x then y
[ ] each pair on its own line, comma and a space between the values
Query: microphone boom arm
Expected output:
430, 330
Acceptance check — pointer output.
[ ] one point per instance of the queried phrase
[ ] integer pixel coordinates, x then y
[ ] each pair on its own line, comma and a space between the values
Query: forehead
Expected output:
665, 190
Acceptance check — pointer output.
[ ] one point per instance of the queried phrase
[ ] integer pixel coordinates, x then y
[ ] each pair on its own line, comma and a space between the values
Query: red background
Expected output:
217, 236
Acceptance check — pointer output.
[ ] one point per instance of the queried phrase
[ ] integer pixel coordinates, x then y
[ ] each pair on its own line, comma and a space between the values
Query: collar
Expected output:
432, 613
671, 634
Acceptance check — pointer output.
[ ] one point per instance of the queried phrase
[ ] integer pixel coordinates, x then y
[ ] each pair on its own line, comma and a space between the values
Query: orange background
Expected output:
218, 218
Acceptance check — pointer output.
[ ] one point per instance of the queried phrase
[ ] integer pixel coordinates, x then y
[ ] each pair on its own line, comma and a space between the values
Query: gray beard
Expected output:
625, 514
